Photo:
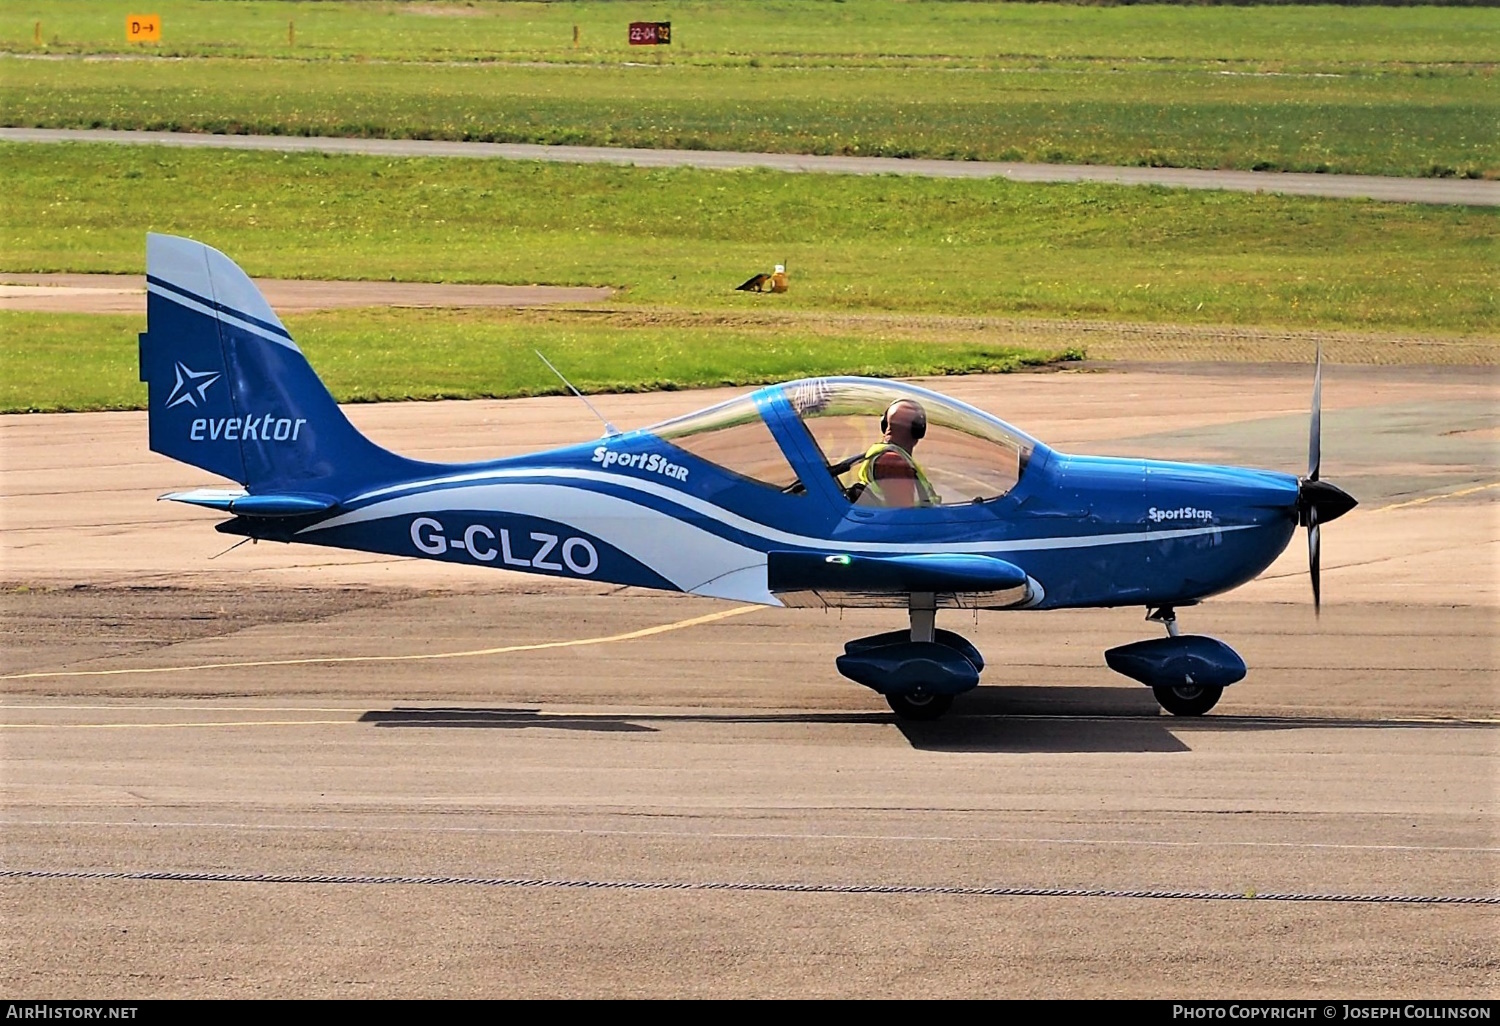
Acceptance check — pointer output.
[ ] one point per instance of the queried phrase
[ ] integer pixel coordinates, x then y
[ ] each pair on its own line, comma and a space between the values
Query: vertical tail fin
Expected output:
228, 389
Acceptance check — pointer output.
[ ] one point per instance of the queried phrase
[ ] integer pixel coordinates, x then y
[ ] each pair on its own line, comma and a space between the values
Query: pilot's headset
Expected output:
919, 426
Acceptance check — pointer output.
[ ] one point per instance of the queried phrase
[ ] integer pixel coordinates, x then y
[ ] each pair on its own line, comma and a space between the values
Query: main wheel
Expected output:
1188, 699
919, 706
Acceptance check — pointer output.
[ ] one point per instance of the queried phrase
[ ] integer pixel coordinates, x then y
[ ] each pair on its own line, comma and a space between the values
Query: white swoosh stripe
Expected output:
724, 516
224, 315
693, 559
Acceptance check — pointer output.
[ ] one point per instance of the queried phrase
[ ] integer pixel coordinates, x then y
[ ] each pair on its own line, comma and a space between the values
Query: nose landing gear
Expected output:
1186, 672
1187, 699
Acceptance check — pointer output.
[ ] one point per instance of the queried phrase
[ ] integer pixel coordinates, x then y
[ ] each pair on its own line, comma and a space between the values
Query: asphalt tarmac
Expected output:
291, 772
1459, 191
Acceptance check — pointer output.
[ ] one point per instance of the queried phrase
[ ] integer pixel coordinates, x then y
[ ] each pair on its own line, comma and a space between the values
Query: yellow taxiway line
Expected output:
1435, 498
644, 632
198, 723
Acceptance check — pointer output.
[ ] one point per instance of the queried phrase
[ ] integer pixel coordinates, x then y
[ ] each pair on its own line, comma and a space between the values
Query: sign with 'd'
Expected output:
142, 28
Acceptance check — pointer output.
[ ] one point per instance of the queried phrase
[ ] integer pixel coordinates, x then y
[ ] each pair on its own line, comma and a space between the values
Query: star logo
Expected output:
188, 382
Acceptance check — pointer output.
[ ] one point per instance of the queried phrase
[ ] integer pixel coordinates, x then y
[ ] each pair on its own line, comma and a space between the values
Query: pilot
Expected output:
888, 473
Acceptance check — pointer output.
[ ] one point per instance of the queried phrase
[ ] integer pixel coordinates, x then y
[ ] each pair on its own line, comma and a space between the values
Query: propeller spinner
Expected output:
1318, 501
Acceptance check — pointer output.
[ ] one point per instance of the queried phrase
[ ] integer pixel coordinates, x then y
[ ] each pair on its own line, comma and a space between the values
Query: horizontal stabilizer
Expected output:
841, 579
289, 504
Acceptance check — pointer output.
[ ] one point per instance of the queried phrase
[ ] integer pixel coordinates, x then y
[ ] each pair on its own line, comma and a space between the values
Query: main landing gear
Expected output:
917, 670
919, 705
1186, 672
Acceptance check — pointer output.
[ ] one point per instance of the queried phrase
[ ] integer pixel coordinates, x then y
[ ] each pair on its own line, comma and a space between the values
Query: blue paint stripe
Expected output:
749, 539
275, 329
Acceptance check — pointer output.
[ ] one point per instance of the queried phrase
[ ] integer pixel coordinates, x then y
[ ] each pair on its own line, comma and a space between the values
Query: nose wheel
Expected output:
1181, 699
1186, 672
1187, 699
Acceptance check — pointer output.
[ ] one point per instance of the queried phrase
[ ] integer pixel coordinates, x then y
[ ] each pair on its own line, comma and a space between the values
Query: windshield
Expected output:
733, 436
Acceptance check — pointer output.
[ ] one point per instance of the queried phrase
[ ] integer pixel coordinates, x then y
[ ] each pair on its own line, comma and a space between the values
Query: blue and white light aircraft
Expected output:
767, 498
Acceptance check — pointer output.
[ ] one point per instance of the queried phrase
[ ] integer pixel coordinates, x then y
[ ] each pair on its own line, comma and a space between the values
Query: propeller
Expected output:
1318, 501
1315, 422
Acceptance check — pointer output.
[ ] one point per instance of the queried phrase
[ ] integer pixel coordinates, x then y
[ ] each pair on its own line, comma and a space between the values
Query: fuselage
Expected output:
647, 510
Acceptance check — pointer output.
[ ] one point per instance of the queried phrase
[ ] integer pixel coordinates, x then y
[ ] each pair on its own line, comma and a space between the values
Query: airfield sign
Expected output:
143, 28
650, 33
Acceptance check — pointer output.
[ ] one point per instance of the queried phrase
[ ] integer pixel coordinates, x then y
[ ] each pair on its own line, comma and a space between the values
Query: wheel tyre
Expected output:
920, 706
1188, 699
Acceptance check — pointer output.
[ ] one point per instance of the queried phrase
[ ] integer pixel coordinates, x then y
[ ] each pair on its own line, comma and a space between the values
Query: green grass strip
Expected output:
57, 362
1383, 122
807, 31
684, 238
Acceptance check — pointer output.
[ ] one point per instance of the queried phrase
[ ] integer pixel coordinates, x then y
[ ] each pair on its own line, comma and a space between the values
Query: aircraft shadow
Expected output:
1044, 701
499, 719
988, 719
1048, 720
427, 716
985, 728
1108, 719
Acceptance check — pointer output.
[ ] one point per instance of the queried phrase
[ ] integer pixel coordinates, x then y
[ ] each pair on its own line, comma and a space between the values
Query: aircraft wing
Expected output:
849, 580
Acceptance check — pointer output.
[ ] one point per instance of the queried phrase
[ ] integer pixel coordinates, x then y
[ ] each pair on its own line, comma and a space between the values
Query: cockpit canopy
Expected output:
966, 455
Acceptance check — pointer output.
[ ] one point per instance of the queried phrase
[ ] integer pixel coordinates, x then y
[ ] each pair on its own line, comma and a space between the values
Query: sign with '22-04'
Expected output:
650, 33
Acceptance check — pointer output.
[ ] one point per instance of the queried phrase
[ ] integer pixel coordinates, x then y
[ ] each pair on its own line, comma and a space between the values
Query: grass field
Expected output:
1404, 91
80, 362
890, 275
807, 32
1393, 124
879, 267
683, 238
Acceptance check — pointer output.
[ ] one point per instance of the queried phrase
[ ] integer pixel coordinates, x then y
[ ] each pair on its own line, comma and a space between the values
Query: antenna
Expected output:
609, 429
231, 548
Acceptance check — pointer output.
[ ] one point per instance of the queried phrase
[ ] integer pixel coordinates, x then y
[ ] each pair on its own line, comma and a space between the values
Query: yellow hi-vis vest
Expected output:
926, 494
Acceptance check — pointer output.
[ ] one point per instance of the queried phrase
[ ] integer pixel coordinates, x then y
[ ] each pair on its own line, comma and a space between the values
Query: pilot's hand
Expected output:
843, 466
